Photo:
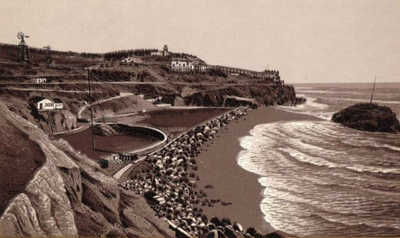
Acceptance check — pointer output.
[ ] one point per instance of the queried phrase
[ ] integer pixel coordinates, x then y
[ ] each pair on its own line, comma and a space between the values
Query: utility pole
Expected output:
91, 110
373, 89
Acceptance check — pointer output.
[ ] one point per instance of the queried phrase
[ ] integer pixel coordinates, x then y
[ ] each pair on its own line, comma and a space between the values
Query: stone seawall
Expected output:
172, 195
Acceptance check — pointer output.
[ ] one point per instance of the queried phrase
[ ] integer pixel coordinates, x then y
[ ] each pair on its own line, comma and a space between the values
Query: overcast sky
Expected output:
308, 41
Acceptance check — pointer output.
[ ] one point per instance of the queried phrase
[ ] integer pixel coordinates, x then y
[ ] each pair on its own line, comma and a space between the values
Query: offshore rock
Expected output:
368, 117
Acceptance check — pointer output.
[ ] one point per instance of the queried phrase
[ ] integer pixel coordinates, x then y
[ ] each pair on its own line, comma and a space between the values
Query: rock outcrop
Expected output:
105, 130
43, 209
54, 121
368, 117
264, 94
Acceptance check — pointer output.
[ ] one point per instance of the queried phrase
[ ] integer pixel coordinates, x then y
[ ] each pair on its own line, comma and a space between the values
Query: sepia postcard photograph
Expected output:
200, 118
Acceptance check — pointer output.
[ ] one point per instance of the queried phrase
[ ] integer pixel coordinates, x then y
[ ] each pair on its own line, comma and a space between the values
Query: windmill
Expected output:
49, 59
22, 48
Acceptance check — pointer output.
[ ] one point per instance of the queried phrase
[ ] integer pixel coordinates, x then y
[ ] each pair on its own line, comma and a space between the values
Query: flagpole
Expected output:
373, 89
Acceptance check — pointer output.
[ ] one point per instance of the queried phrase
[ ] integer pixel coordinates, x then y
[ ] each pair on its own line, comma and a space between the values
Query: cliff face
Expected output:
70, 196
43, 209
58, 121
263, 94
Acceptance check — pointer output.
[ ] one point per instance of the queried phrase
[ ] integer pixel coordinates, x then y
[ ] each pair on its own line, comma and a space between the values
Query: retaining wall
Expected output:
147, 131
131, 129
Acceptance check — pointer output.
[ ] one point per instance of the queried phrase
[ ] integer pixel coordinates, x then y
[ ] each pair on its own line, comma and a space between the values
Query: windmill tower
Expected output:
22, 48
48, 57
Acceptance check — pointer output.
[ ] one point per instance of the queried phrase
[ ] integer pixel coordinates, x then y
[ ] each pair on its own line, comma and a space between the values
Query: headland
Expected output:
201, 108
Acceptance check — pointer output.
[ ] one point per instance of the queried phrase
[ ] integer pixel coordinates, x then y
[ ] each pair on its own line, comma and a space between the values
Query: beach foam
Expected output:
323, 179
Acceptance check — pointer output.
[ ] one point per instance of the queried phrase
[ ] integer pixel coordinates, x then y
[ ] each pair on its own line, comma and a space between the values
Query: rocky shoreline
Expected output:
170, 184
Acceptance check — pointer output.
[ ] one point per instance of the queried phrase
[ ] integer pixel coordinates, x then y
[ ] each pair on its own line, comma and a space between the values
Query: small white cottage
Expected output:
47, 104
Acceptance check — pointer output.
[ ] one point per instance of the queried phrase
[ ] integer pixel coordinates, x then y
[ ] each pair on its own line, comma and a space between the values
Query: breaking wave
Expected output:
322, 179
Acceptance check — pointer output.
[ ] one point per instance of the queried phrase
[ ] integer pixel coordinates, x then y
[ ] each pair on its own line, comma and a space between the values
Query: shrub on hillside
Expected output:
30, 72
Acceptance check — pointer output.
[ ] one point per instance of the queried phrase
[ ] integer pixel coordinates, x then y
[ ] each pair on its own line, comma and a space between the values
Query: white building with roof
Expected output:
182, 65
47, 104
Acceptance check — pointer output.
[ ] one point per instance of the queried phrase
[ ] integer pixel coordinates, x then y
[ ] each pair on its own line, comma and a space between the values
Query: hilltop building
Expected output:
182, 65
188, 65
163, 52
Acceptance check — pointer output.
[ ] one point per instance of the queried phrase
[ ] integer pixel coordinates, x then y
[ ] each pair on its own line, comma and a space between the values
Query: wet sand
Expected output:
218, 167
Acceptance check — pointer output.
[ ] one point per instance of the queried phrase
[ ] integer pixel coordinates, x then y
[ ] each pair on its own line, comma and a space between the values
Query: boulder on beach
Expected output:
254, 232
238, 227
278, 234
368, 117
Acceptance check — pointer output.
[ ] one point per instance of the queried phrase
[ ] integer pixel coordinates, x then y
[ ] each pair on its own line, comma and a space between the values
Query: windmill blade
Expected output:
20, 35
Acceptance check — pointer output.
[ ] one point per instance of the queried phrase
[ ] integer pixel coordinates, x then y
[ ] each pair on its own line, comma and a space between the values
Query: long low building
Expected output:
232, 70
182, 65
189, 65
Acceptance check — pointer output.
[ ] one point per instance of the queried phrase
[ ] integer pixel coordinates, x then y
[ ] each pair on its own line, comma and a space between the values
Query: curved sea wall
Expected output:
111, 129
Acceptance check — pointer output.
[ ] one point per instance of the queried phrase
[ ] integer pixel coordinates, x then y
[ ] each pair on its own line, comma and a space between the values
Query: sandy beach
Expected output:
218, 167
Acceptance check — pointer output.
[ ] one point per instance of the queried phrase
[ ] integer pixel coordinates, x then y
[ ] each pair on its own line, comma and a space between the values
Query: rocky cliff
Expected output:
69, 196
57, 121
263, 94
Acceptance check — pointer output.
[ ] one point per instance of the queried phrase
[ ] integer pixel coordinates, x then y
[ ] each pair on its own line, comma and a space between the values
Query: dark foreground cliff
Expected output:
68, 195
368, 117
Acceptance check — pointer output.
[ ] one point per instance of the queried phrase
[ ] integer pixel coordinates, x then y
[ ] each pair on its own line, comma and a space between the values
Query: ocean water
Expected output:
322, 179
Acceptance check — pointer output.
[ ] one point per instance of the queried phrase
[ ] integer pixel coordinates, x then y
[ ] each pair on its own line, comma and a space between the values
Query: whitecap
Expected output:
299, 159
